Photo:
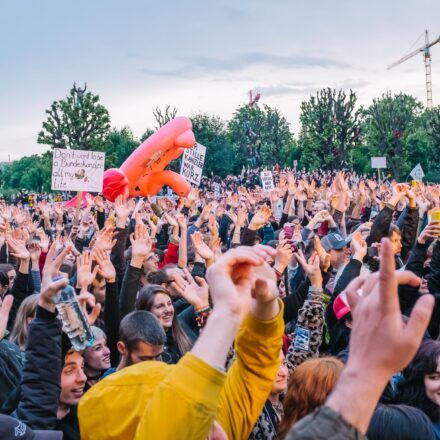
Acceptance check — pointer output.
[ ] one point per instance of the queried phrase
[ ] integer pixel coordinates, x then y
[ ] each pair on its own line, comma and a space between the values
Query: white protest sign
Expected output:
267, 179
279, 209
295, 163
192, 164
417, 173
378, 162
77, 170
217, 190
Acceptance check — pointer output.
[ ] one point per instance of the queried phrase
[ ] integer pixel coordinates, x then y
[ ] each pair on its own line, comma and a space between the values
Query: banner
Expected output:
192, 163
417, 173
267, 180
77, 170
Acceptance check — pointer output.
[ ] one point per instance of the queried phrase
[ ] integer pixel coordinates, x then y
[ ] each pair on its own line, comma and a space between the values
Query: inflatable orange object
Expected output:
143, 173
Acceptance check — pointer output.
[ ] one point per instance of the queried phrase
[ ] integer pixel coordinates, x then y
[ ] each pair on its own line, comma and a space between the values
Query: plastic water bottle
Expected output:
75, 323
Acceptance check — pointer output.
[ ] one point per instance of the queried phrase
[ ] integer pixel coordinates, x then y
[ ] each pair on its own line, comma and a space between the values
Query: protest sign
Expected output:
279, 209
417, 173
267, 180
378, 162
77, 170
217, 190
192, 164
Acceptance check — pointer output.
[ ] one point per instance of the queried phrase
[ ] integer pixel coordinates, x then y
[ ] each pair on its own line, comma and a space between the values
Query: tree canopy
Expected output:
79, 122
330, 129
334, 132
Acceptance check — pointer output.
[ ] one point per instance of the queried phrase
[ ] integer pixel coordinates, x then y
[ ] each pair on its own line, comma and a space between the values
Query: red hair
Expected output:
308, 388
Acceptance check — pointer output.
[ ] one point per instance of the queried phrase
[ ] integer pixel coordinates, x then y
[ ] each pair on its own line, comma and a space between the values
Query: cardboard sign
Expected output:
267, 180
192, 164
417, 173
77, 170
378, 162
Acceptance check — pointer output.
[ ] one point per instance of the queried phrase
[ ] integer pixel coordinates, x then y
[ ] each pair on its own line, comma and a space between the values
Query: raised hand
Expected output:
171, 220
104, 239
431, 232
49, 291
141, 245
196, 292
283, 255
201, 247
52, 264
122, 211
34, 251
358, 246
231, 279
86, 298
324, 257
44, 239
84, 272
241, 217
311, 268
106, 268
260, 218
18, 248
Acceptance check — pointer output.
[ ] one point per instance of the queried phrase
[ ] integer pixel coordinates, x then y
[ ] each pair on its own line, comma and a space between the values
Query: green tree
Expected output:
79, 122
148, 132
389, 127
210, 131
118, 145
30, 172
330, 129
262, 129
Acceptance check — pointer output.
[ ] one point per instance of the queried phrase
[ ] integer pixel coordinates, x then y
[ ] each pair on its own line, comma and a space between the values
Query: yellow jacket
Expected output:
153, 400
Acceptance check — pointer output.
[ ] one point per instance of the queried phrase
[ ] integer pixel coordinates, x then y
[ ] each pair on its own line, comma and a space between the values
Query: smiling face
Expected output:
163, 309
432, 385
73, 379
97, 357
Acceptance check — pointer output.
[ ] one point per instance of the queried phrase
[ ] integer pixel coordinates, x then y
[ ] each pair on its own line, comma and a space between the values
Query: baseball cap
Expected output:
334, 240
11, 429
340, 306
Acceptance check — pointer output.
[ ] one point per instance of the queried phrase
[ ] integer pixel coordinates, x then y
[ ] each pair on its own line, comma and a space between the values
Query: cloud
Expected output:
306, 88
196, 65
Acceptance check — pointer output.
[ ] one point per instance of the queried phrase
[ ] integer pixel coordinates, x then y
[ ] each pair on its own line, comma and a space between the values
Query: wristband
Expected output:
202, 316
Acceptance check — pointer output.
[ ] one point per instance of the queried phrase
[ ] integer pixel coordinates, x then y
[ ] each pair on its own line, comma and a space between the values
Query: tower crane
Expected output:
427, 57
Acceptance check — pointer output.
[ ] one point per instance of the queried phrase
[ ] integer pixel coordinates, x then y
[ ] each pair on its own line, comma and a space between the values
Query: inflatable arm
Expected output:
142, 174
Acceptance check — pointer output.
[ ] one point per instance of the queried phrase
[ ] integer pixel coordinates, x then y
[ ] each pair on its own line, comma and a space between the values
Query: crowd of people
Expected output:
308, 312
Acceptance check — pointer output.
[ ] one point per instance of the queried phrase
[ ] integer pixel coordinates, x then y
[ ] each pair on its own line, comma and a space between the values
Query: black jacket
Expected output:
40, 384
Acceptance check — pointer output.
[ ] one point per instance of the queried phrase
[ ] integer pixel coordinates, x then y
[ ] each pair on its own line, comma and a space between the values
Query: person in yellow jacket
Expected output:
158, 401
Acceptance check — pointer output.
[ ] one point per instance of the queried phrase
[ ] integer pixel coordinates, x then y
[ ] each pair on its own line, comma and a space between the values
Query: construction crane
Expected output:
427, 58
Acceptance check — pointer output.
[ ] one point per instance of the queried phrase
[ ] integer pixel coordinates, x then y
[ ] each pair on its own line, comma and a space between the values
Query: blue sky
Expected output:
201, 55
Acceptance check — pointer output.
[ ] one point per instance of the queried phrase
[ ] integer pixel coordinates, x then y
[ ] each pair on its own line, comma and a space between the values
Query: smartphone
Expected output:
372, 252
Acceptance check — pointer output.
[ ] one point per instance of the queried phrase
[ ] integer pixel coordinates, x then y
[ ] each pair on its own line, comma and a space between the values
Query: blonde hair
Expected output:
20, 330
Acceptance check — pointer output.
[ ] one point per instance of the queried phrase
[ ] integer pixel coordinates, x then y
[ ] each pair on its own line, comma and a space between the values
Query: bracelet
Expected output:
202, 316
315, 289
